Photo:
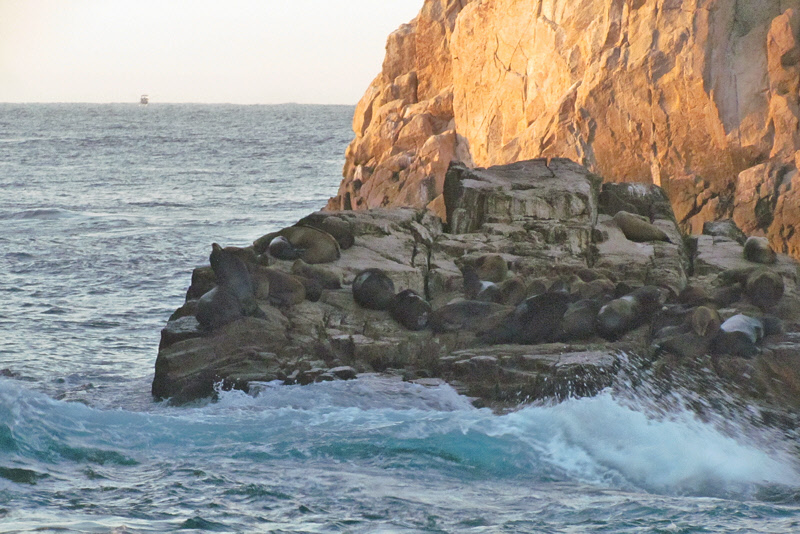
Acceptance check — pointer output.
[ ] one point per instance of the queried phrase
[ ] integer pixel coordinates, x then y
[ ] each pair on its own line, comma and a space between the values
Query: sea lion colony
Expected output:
500, 307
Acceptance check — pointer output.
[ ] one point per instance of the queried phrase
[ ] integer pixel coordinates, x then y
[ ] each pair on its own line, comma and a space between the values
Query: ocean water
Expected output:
104, 211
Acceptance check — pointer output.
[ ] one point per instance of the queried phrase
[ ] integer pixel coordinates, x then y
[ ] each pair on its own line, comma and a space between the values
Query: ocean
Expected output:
104, 212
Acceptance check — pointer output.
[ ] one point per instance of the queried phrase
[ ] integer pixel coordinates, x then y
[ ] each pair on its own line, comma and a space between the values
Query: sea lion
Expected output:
246, 254
758, 250
705, 321
282, 249
339, 228
313, 245
471, 315
596, 289
313, 289
410, 310
491, 267
682, 341
628, 312
637, 228
218, 307
477, 289
764, 288
535, 320
693, 295
579, 320
373, 289
739, 335
234, 295
327, 278
512, 291
278, 287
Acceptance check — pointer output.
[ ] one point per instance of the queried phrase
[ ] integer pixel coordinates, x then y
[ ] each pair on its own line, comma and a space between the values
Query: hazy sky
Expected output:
239, 51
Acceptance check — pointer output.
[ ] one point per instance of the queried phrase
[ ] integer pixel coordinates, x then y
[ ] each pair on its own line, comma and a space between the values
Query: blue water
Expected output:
104, 211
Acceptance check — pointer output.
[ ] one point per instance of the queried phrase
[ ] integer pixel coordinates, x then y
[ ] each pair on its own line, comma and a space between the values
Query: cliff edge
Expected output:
699, 97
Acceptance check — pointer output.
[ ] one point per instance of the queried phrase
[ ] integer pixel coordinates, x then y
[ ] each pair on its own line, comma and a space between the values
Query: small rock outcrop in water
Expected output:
700, 98
583, 295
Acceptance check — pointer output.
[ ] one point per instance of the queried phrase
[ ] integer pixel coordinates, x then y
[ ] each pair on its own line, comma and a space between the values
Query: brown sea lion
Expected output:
373, 289
512, 291
470, 315
327, 278
579, 320
338, 227
410, 310
764, 288
278, 287
637, 228
491, 268
314, 245
705, 321
758, 250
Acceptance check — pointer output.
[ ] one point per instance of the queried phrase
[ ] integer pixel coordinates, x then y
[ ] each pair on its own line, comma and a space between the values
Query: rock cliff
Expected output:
697, 96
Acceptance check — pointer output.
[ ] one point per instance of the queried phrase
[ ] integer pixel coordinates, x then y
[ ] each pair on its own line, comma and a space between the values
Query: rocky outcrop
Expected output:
544, 231
699, 97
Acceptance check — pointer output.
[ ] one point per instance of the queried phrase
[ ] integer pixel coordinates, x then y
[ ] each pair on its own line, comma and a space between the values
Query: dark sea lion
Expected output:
313, 289
739, 336
471, 315
758, 250
327, 278
314, 245
231, 272
477, 289
339, 228
764, 288
234, 295
218, 307
281, 249
373, 289
246, 254
410, 310
637, 228
535, 320
628, 312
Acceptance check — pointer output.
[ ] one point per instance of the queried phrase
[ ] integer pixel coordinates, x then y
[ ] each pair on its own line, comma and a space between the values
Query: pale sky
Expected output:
213, 51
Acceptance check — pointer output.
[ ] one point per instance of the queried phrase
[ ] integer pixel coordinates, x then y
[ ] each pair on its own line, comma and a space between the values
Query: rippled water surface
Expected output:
104, 211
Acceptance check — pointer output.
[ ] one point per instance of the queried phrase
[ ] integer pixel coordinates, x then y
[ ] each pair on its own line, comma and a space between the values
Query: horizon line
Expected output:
134, 103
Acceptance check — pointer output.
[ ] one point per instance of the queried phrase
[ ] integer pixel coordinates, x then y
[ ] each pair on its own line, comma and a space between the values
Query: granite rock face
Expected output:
699, 97
550, 226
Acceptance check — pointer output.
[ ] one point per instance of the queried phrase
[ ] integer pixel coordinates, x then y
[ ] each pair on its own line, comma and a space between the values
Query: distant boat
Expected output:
144, 100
